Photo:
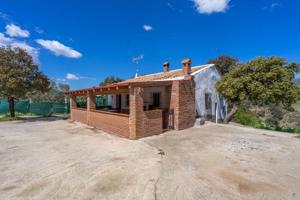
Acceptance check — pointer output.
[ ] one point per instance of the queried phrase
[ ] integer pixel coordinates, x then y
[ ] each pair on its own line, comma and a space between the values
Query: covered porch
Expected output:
131, 110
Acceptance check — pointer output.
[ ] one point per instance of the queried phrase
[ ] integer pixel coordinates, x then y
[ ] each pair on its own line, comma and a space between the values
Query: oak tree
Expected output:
262, 81
224, 63
110, 79
19, 75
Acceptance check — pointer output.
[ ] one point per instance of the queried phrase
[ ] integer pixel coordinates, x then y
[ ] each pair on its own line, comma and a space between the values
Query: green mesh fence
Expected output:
60, 108
44, 109
101, 101
3, 106
22, 106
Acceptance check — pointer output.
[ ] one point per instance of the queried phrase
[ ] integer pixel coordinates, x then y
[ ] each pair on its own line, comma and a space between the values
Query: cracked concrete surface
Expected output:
57, 159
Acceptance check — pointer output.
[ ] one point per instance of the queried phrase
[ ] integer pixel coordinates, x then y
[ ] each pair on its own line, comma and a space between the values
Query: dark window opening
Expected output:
156, 100
208, 102
127, 100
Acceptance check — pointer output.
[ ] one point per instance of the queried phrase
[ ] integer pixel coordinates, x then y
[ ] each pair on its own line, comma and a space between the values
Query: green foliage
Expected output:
19, 74
54, 95
81, 101
248, 118
296, 106
271, 123
261, 81
110, 79
224, 63
269, 117
277, 112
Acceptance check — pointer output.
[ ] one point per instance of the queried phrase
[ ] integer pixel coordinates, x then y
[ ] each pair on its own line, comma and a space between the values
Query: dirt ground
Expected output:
58, 159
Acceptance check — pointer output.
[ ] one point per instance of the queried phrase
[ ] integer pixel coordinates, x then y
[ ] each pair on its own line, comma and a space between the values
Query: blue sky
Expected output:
82, 42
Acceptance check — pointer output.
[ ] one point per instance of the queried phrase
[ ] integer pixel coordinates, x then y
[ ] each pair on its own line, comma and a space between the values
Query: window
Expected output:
208, 102
156, 99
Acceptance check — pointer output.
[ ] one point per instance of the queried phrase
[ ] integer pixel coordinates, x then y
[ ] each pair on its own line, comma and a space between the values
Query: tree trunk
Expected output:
231, 113
11, 102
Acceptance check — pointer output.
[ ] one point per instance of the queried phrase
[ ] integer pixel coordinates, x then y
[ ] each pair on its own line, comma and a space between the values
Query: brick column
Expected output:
73, 104
183, 103
136, 112
91, 105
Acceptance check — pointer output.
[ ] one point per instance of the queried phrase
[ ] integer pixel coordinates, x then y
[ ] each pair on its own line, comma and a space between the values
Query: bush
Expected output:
297, 129
248, 118
271, 123
277, 112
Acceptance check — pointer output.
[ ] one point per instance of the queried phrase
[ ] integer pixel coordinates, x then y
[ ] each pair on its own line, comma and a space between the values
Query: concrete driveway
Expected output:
57, 159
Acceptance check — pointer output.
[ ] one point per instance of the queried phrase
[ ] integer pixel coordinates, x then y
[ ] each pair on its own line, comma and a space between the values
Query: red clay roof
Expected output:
162, 76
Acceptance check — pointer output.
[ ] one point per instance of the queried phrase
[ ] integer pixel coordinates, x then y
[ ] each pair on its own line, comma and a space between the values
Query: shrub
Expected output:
297, 129
271, 123
248, 118
277, 112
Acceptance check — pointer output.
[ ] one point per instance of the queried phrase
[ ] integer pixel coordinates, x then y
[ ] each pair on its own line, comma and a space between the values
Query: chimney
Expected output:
166, 66
186, 66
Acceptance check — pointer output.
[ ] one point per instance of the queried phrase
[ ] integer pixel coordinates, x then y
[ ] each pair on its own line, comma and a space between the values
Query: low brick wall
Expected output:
78, 114
115, 123
153, 123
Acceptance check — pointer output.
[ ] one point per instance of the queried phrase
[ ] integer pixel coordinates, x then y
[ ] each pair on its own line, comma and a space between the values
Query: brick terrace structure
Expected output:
174, 107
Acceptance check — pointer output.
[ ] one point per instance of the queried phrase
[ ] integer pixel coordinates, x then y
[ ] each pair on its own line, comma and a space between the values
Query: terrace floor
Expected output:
58, 159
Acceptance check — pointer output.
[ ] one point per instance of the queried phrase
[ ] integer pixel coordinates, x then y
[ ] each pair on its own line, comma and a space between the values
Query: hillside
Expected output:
298, 81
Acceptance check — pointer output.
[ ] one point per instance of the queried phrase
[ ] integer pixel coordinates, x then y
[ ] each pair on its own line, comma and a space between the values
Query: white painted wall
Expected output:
205, 83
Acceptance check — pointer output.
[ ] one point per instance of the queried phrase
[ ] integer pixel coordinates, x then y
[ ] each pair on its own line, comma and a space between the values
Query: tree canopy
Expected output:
224, 63
261, 81
110, 79
54, 95
19, 75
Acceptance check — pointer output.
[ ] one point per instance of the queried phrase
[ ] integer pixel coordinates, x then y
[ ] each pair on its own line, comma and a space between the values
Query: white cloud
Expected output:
59, 49
16, 31
272, 6
38, 30
4, 16
147, 27
72, 77
6, 41
137, 59
211, 6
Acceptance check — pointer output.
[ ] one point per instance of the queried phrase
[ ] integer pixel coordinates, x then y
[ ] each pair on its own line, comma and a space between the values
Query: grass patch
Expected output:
7, 117
161, 152
4, 118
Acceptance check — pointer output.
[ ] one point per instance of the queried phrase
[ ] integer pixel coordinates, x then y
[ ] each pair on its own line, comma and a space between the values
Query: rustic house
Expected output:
154, 103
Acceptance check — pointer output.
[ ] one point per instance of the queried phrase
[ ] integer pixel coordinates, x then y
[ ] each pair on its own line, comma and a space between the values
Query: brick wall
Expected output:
187, 106
183, 103
115, 123
153, 122
79, 115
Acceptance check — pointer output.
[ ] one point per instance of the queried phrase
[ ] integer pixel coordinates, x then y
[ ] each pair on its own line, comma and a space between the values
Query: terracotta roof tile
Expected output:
162, 76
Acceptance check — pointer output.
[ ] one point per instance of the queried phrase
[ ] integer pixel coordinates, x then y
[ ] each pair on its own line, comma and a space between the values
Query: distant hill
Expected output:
298, 81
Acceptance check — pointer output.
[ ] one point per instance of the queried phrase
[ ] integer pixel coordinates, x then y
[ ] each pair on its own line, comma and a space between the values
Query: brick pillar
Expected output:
183, 103
91, 105
73, 104
174, 103
136, 112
